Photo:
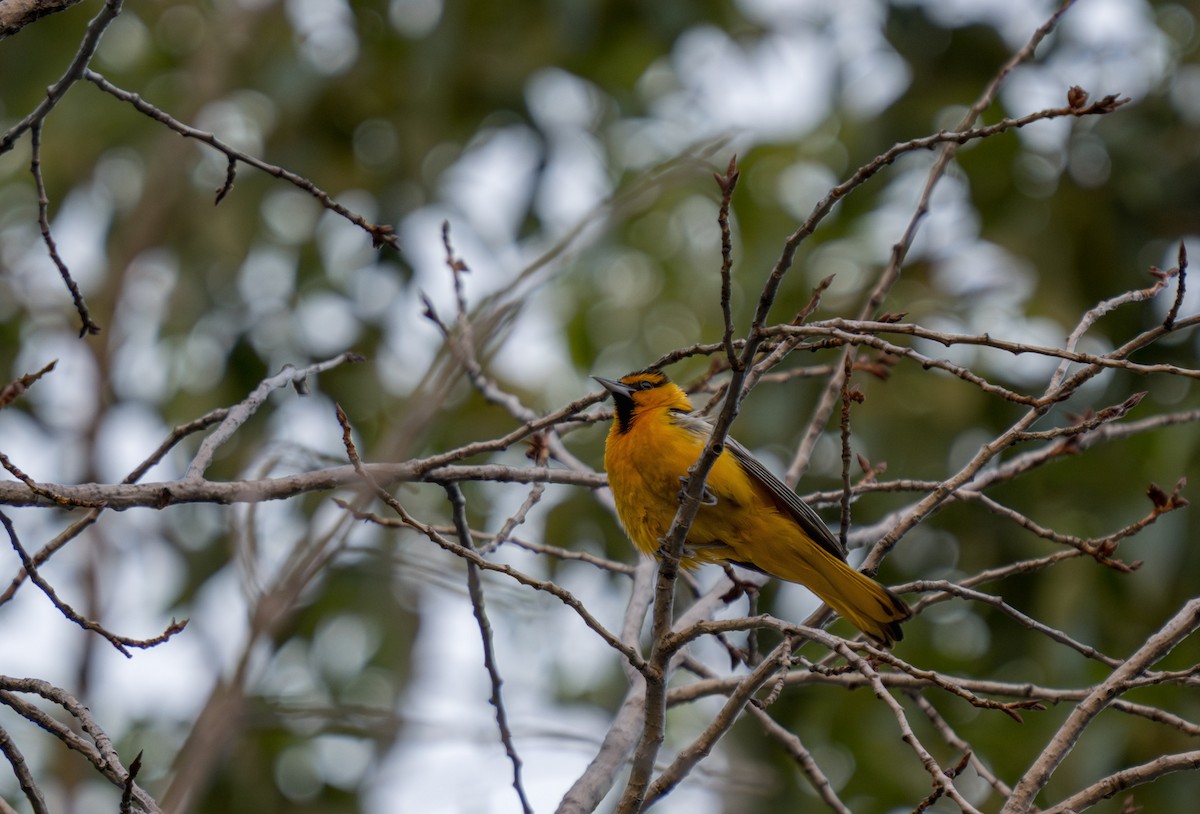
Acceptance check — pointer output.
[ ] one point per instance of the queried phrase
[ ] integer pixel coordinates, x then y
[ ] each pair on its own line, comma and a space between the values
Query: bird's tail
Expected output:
869, 606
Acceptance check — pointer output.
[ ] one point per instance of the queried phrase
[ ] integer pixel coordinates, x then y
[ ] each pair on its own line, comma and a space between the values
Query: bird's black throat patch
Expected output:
624, 407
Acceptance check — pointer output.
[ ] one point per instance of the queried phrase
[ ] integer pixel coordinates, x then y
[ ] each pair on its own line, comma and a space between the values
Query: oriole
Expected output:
748, 516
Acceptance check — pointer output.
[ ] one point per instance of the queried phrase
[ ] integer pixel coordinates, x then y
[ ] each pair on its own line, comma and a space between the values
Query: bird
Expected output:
747, 516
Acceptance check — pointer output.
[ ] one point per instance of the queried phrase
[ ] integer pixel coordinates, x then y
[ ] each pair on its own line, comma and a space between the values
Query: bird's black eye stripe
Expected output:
647, 385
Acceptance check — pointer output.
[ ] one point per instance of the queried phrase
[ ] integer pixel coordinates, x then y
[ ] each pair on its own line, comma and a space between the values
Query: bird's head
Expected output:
643, 392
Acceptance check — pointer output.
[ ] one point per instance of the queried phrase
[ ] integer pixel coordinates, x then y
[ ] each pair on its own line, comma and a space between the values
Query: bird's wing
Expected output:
804, 515
789, 501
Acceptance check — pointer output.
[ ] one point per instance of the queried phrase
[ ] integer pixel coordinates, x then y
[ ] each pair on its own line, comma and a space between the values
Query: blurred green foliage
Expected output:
381, 104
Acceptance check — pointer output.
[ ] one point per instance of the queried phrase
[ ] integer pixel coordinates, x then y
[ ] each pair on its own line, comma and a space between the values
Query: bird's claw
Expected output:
707, 498
685, 554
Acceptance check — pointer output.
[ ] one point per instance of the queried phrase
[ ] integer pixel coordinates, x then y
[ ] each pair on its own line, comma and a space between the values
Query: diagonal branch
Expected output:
54, 94
121, 643
381, 234
900, 250
43, 199
100, 751
1179, 627
1126, 779
29, 786
241, 413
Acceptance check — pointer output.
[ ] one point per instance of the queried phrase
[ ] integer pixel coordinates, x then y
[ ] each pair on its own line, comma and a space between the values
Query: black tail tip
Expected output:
895, 611
887, 635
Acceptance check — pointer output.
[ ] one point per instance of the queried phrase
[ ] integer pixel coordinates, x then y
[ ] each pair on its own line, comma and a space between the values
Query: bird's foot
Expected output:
707, 498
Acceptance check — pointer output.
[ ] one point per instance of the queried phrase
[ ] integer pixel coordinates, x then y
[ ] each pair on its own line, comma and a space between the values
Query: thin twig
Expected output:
127, 792
17, 387
121, 643
727, 183
46, 492
35, 167
20, 768
955, 740
407, 520
490, 541
847, 397
54, 94
381, 234
75, 529
241, 413
1180, 274
475, 591
891, 273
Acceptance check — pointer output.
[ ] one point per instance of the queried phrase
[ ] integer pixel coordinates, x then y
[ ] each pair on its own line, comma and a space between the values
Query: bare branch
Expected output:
16, 14
16, 388
727, 183
381, 234
241, 413
1117, 782
475, 590
159, 495
1156, 647
76, 528
54, 94
469, 554
35, 167
121, 643
24, 777
99, 751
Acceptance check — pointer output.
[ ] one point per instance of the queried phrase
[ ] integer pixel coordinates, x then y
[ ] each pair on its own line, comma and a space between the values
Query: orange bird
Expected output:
748, 516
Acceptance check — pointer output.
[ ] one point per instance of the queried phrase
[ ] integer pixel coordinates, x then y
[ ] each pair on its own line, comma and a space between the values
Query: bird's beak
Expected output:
614, 387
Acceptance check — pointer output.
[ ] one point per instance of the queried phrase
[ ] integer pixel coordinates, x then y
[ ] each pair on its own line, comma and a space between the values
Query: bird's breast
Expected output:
645, 465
